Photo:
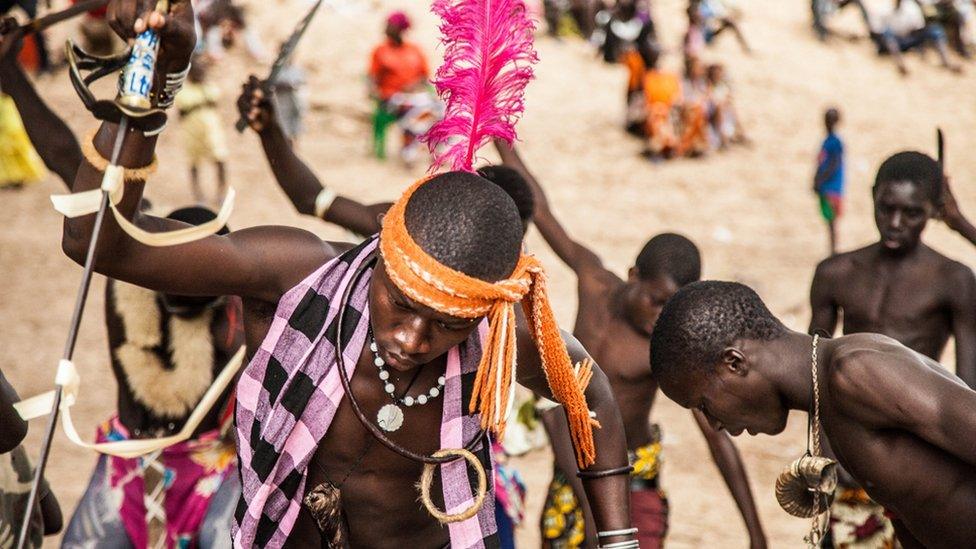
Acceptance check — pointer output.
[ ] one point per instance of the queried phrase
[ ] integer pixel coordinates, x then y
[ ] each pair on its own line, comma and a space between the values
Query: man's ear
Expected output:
632, 274
734, 361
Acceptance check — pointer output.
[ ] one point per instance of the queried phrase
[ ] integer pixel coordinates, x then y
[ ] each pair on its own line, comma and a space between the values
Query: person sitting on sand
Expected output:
631, 40
905, 29
898, 422
723, 117
695, 105
707, 19
662, 94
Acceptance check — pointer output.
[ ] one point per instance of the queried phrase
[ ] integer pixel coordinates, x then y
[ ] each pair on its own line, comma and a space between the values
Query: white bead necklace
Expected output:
390, 416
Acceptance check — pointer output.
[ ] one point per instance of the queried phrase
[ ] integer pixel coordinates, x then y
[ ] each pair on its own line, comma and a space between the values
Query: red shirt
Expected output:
395, 68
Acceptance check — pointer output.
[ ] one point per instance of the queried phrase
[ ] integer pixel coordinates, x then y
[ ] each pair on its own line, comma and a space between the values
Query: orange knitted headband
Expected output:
423, 279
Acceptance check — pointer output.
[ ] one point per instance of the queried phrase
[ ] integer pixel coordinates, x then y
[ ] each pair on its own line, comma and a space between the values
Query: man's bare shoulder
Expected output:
844, 264
860, 378
949, 269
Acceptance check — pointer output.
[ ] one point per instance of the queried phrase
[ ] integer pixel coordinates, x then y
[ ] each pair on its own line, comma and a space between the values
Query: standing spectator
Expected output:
203, 136
828, 182
397, 66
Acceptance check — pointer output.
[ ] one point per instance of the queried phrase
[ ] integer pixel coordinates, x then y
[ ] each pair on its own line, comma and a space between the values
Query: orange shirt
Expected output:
661, 87
396, 68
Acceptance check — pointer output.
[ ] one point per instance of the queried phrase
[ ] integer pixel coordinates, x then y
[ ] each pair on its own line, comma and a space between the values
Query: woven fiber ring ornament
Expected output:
427, 478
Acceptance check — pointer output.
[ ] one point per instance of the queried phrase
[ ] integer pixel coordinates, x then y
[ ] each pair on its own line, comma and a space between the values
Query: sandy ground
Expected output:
750, 210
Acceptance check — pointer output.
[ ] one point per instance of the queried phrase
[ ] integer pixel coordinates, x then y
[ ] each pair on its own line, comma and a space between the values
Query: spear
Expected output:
137, 77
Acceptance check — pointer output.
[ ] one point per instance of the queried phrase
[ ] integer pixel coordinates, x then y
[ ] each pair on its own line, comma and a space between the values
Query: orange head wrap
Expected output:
425, 280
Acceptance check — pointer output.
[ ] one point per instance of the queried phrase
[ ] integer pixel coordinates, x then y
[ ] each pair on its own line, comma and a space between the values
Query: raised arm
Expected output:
729, 463
953, 216
51, 137
260, 263
963, 305
609, 496
823, 310
294, 176
579, 258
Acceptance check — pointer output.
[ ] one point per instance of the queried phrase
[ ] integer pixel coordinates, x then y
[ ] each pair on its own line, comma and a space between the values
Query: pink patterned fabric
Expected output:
194, 471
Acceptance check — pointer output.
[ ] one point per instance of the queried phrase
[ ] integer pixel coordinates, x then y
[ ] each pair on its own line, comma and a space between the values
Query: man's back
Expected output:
891, 447
906, 298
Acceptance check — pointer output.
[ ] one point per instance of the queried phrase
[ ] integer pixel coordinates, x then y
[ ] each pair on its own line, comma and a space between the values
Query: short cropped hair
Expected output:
915, 167
671, 255
701, 320
512, 182
466, 223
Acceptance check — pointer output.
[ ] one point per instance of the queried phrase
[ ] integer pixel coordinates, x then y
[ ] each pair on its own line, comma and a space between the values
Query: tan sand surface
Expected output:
750, 209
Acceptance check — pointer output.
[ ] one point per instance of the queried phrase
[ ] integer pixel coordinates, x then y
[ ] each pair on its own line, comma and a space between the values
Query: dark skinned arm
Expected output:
51, 137
822, 307
557, 429
729, 463
953, 216
963, 305
14, 428
578, 257
609, 497
260, 263
51, 512
293, 175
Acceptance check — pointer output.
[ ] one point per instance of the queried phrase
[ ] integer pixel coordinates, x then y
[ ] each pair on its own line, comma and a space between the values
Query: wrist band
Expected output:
629, 544
324, 201
590, 475
614, 533
171, 87
98, 162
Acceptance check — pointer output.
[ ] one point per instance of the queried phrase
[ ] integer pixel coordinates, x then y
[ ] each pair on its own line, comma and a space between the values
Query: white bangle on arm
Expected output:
324, 201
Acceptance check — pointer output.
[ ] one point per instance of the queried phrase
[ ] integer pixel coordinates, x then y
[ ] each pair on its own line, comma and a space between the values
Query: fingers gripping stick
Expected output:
133, 103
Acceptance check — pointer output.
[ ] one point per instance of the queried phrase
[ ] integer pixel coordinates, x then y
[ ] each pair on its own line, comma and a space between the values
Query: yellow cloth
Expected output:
203, 134
19, 162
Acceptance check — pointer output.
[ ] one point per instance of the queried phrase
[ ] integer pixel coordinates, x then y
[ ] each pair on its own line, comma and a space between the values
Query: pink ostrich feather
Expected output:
488, 58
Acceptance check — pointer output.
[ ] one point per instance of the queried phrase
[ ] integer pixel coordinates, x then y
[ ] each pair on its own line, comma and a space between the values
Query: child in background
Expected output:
828, 182
203, 134
723, 118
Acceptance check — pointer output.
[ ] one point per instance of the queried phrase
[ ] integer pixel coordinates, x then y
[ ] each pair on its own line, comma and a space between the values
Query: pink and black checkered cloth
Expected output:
290, 391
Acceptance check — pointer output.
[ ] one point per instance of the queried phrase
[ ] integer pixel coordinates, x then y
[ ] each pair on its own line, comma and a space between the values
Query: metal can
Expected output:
137, 75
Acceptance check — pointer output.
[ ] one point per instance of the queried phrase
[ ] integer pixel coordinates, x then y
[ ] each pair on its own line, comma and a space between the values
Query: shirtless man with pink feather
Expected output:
367, 362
